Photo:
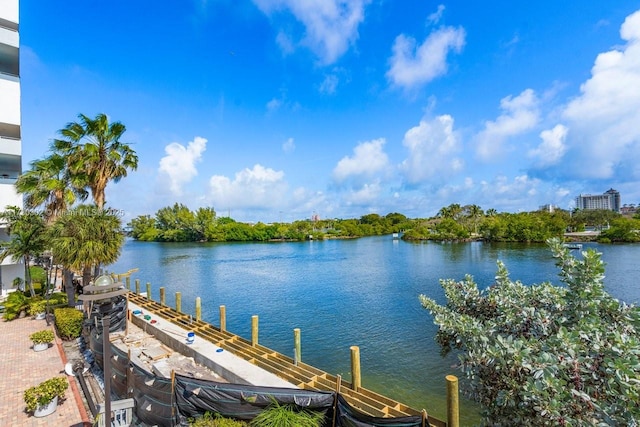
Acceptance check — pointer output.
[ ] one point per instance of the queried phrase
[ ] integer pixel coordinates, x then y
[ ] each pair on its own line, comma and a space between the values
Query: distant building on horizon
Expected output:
548, 208
610, 201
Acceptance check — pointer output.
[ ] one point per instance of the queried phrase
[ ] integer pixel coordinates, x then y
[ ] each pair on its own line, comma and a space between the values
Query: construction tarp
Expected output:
195, 397
348, 416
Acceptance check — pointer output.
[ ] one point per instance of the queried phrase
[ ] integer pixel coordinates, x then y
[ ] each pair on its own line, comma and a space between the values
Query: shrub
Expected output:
15, 303
37, 305
215, 420
287, 415
69, 322
42, 337
45, 392
545, 355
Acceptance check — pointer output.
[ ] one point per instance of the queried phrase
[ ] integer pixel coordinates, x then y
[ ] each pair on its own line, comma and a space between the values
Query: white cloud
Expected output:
330, 25
435, 17
255, 188
413, 65
368, 159
432, 147
604, 119
179, 163
329, 84
552, 147
289, 145
520, 114
274, 105
366, 195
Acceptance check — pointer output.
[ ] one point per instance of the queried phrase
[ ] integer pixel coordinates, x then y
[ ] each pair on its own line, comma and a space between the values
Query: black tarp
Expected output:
347, 416
153, 398
195, 397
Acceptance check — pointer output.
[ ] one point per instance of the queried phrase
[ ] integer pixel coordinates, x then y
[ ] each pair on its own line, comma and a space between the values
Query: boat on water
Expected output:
573, 245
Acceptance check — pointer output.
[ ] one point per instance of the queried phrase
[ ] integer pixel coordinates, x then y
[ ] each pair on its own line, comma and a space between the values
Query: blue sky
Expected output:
273, 110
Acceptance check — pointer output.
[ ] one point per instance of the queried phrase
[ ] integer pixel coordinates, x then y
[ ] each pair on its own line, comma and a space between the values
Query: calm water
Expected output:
351, 292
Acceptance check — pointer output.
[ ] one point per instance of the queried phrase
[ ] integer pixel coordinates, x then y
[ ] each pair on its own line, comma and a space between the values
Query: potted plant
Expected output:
41, 339
38, 308
42, 399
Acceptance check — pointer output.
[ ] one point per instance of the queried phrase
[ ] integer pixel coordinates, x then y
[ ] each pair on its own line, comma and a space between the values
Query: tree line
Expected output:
178, 223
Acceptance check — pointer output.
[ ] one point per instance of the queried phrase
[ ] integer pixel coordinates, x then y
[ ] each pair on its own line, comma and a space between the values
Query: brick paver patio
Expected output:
21, 368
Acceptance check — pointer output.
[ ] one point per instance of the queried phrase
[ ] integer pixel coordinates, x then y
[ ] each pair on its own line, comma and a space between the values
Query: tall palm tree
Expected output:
49, 184
85, 237
95, 153
27, 238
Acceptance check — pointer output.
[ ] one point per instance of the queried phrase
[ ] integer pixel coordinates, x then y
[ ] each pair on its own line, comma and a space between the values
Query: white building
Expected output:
609, 201
10, 142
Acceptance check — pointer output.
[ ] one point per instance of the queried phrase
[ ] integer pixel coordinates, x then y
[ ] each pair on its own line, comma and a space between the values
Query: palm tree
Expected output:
85, 237
49, 184
28, 239
95, 153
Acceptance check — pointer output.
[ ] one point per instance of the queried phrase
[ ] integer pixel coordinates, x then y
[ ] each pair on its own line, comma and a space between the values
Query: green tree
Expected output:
86, 237
95, 153
545, 355
27, 238
49, 184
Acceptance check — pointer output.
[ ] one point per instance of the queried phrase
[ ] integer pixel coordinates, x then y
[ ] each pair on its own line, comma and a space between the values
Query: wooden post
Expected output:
335, 400
297, 349
223, 318
254, 330
453, 410
173, 390
148, 290
106, 366
137, 286
425, 418
162, 296
128, 282
179, 302
198, 308
130, 379
356, 381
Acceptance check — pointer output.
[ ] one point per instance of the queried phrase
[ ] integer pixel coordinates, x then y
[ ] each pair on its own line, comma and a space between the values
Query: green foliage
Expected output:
42, 337
215, 420
15, 303
68, 322
535, 226
288, 415
621, 230
45, 392
37, 305
595, 218
38, 274
543, 354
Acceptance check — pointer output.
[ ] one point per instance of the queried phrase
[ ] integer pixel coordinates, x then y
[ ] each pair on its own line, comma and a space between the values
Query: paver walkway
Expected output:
21, 368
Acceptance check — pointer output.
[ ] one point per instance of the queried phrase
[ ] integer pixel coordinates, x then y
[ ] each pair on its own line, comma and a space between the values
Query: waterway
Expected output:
360, 292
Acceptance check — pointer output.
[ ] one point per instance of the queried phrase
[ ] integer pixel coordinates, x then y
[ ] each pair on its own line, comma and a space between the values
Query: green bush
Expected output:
215, 420
15, 303
45, 392
545, 355
37, 305
44, 336
288, 415
69, 322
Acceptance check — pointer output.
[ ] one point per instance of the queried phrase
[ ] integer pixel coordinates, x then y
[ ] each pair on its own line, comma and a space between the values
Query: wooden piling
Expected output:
137, 286
179, 302
453, 410
254, 330
128, 282
356, 379
297, 347
148, 290
198, 308
223, 318
162, 296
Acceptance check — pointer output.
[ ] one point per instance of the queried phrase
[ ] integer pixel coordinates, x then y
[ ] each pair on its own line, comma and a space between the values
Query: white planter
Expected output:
40, 346
41, 316
43, 411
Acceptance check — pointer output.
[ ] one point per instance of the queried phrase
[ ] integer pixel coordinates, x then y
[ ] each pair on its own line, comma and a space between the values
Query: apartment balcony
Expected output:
9, 13
9, 104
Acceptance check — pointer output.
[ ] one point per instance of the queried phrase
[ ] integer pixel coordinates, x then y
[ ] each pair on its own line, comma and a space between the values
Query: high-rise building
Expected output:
10, 139
610, 201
